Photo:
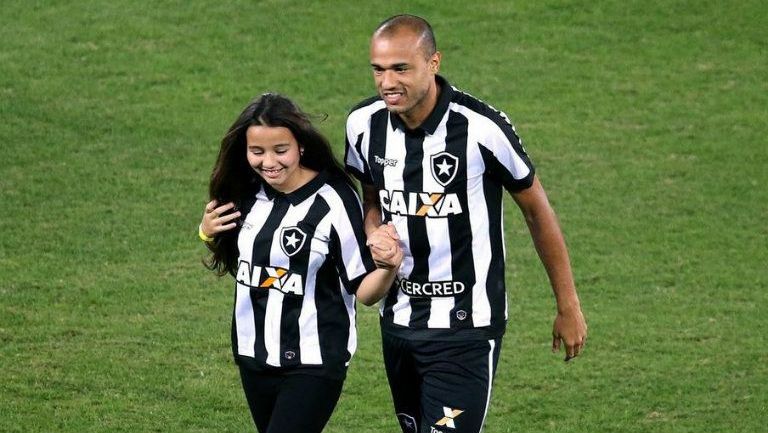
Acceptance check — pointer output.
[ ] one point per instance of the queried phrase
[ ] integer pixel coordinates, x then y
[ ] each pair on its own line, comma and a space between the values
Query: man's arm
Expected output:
569, 327
371, 209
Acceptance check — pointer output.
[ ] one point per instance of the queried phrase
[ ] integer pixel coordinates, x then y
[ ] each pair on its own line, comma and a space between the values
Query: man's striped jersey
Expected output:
302, 258
441, 185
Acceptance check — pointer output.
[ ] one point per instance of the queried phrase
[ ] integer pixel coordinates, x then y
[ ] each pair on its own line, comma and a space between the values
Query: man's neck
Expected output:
416, 119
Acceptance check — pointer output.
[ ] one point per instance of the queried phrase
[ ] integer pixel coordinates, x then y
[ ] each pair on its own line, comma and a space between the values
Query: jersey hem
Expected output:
322, 370
444, 334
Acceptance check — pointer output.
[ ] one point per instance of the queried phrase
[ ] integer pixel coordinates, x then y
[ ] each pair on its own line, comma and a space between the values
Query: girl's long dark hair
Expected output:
233, 179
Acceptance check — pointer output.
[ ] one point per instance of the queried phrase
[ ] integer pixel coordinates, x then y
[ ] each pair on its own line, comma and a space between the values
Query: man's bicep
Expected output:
532, 200
370, 194
354, 160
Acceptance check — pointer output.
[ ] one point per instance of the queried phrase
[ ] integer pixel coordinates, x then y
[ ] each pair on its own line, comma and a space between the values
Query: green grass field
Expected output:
647, 121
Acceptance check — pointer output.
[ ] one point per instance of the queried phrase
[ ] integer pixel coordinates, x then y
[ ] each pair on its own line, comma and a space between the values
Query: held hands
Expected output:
570, 329
385, 247
214, 220
384, 244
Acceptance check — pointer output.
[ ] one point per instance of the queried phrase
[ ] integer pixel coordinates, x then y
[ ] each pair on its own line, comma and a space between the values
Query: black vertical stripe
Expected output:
495, 284
377, 145
413, 175
290, 350
262, 246
459, 225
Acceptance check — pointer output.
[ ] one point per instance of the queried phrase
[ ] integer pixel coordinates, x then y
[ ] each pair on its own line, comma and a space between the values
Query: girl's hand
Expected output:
214, 219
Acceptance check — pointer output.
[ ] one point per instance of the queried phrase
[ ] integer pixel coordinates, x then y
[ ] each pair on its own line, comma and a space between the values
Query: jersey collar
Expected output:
430, 124
299, 195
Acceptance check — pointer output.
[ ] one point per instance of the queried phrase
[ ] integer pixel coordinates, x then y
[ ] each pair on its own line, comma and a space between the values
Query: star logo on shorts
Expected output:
450, 415
407, 423
444, 167
291, 240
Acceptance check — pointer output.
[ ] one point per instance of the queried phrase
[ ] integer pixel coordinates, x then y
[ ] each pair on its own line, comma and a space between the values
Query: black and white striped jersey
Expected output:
302, 258
441, 185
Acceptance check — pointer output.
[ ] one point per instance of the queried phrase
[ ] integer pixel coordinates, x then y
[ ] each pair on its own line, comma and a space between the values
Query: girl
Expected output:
286, 222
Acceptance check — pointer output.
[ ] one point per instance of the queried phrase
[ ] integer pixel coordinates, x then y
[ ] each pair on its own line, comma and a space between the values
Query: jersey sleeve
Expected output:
354, 160
505, 157
351, 255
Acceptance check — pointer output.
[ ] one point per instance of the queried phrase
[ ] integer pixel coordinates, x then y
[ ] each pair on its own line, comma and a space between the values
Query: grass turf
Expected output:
646, 121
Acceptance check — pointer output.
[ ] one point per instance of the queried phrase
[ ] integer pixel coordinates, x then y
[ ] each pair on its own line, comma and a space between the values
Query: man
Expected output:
433, 163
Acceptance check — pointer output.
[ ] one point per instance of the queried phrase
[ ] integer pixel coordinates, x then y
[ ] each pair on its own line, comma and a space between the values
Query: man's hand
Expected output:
570, 329
384, 243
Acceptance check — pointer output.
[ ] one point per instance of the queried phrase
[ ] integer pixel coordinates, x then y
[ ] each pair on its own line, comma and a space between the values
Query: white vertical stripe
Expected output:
504, 255
245, 326
490, 382
244, 323
272, 320
439, 270
349, 302
437, 233
393, 180
309, 337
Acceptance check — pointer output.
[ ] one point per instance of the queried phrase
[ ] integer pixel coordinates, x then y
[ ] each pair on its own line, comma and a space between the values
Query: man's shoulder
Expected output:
483, 115
478, 106
365, 109
359, 117
366, 103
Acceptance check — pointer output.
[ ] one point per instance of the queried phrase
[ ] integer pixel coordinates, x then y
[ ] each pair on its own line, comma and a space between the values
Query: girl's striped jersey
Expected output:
441, 185
302, 258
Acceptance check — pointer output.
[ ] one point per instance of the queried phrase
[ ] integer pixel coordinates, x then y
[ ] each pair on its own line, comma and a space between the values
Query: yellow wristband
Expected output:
202, 235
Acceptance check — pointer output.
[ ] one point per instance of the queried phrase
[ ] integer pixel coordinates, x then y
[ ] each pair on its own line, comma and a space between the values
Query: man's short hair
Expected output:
418, 25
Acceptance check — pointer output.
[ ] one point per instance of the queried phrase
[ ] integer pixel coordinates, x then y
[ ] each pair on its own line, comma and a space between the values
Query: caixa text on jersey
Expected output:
268, 277
424, 204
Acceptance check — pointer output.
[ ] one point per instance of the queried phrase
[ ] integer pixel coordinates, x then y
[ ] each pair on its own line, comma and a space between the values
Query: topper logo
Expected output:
386, 162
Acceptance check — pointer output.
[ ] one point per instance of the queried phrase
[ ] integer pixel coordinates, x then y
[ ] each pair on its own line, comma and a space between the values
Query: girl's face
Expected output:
274, 154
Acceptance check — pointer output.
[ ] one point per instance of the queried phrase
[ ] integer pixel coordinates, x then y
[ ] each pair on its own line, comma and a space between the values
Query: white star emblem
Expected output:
291, 240
444, 167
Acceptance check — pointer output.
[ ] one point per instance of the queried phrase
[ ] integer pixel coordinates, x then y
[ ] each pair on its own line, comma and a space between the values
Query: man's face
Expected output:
404, 76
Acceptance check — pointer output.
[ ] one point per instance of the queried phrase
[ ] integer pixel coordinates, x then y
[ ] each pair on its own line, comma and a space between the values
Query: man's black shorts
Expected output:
440, 386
